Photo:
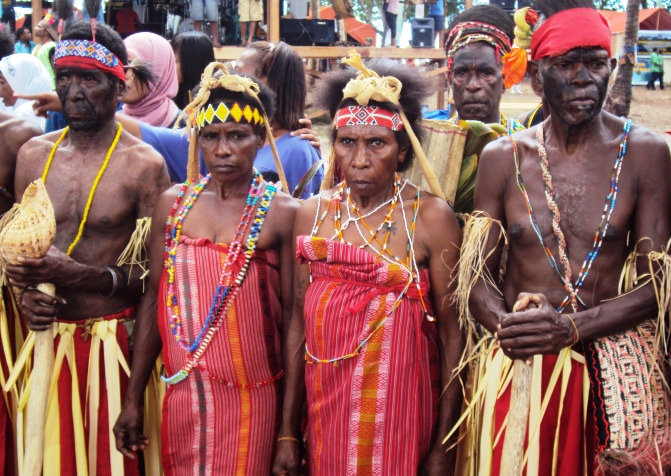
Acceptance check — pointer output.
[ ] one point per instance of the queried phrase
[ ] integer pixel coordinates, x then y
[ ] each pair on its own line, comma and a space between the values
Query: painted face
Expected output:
368, 157
6, 92
89, 97
575, 83
229, 149
476, 82
136, 90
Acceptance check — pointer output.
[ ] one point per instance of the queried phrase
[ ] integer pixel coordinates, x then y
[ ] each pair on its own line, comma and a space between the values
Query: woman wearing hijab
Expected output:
149, 98
23, 74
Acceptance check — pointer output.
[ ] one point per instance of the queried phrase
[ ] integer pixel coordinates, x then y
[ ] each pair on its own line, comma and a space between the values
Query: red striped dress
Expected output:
222, 418
374, 413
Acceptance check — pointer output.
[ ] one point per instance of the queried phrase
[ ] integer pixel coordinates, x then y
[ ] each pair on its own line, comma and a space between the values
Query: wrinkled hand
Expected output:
55, 267
38, 309
128, 431
44, 102
287, 458
533, 330
308, 133
438, 462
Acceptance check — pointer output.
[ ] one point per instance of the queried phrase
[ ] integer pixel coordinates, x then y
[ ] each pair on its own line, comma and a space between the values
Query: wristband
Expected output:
287, 438
115, 283
576, 336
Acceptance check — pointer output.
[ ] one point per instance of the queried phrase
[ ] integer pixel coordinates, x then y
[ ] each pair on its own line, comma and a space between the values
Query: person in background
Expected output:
126, 20
6, 42
250, 13
148, 97
390, 12
198, 10
437, 12
45, 37
656, 70
193, 52
8, 16
24, 42
23, 74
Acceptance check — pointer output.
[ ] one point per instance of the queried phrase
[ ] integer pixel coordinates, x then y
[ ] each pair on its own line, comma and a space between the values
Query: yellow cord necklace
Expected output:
92, 192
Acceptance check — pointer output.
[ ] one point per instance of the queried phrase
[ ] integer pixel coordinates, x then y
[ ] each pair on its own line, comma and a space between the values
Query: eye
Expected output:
209, 136
346, 141
89, 77
565, 65
376, 142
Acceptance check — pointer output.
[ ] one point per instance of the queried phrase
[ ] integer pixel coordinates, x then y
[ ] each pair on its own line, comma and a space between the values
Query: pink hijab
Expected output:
157, 107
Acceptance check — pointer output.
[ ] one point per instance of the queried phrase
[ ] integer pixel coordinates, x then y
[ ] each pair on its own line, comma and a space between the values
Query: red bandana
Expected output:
568, 29
87, 54
368, 116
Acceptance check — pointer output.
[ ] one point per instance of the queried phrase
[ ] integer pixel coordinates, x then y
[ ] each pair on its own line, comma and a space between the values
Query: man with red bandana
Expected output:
101, 181
592, 396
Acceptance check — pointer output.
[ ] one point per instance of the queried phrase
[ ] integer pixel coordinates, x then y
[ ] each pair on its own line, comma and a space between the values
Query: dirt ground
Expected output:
651, 109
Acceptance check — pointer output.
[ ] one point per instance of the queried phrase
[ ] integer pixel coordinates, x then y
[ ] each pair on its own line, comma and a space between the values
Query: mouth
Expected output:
582, 103
224, 168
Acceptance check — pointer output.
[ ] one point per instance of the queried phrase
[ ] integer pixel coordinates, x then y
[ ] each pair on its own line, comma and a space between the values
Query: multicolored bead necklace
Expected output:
572, 287
229, 285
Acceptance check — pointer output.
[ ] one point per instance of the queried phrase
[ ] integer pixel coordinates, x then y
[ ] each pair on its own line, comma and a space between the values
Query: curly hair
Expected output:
415, 88
490, 14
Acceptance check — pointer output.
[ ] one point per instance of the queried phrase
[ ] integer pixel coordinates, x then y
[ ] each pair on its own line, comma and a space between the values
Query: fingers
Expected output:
129, 440
305, 122
525, 299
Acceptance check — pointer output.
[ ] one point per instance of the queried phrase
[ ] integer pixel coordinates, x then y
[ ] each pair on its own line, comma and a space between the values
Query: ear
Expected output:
534, 73
261, 139
613, 64
121, 90
402, 153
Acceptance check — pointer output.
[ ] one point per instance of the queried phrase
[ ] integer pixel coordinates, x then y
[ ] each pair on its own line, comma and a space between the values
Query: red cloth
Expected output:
373, 413
223, 416
126, 18
82, 344
574, 440
90, 63
568, 29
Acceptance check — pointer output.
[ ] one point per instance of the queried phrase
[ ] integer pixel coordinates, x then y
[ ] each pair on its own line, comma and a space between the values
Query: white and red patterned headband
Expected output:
368, 116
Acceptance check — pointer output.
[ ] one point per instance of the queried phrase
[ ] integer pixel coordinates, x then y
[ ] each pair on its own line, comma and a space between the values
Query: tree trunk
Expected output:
314, 7
619, 98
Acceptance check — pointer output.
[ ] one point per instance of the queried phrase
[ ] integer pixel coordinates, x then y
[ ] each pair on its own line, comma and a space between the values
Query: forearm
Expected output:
451, 395
294, 379
146, 350
618, 314
106, 280
487, 305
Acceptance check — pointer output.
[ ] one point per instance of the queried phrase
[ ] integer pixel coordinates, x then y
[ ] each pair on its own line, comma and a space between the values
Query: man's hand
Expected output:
38, 309
287, 458
55, 267
308, 133
128, 431
44, 102
538, 330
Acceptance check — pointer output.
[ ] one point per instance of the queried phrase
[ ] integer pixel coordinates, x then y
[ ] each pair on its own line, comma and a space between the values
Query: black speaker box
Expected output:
323, 32
422, 32
295, 32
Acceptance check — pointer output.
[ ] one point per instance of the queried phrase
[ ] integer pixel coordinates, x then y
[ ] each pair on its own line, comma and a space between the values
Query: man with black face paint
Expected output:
476, 41
597, 399
101, 181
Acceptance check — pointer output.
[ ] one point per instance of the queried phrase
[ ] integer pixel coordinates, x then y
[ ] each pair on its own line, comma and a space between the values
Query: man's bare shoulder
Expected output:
133, 148
17, 131
435, 213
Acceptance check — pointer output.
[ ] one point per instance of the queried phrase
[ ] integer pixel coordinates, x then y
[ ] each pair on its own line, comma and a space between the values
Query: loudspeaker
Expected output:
307, 32
323, 32
422, 32
295, 32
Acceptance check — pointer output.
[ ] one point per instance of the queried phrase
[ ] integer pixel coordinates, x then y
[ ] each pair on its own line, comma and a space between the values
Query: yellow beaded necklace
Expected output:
92, 192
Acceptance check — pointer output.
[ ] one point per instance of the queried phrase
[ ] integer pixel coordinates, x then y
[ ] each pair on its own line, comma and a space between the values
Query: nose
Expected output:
223, 148
582, 76
75, 91
473, 83
360, 159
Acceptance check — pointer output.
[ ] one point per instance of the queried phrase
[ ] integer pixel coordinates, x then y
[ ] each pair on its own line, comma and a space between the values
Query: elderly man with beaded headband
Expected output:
103, 184
584, 296
219, 297
373, 312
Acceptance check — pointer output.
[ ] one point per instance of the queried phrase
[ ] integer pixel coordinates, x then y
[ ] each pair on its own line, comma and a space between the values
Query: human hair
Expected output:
105, 35
547, 8
415, 88
194, 52
142, 71
489, 14
6, 42
284, 73
19, 32
261, 48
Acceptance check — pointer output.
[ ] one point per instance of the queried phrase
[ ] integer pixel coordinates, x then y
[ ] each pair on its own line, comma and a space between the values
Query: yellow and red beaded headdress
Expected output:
369, 86
201, 112
86, 54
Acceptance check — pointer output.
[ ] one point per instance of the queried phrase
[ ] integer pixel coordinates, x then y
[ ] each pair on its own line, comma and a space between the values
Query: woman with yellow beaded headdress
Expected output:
219, 293
372, 309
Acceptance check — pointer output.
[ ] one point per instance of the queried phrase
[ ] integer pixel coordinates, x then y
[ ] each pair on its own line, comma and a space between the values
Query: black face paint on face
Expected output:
88, 97
575, 84
476, 82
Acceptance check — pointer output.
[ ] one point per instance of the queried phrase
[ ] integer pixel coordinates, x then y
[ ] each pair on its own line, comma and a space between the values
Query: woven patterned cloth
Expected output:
373, 413
222, 417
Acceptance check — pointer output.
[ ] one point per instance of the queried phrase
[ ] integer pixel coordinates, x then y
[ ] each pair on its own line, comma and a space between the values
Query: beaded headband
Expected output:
459, 36
232, 112
368, 116
87, 54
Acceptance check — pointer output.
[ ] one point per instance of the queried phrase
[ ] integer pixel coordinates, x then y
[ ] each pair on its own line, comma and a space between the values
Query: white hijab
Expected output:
25, 74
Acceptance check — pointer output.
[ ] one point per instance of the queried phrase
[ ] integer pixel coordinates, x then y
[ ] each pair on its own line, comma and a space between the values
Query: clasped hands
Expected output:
534, 327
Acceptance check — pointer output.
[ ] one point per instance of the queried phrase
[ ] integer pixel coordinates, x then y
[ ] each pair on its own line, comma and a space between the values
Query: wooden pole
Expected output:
37, 12
43, 358
273, 21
